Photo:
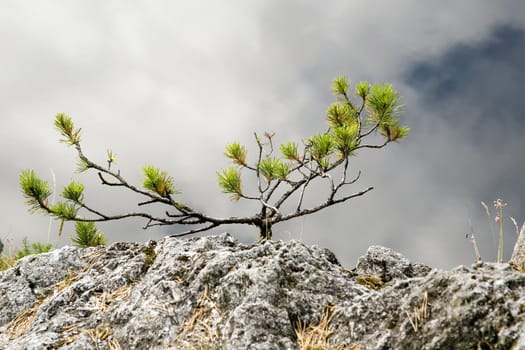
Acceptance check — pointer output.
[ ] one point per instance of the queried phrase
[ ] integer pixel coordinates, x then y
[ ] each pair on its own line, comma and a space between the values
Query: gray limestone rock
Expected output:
215, 293
518, 255
388, 265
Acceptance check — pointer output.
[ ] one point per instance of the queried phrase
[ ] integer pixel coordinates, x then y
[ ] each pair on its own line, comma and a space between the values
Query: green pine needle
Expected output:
382, 104
273, 168
339, 114
65, 126
324, 163
362, 89
282, 170
82, 165
345, 139
340, 85
65, 210
35, 190
33, 248
230, 182
87, 235
74, 191
237, 153
158, 181
322, 146
289, 151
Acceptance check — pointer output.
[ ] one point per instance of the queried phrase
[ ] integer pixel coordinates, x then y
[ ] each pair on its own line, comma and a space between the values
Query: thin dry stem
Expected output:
491, 225
472, 238
516, 228
419, 314
317, 336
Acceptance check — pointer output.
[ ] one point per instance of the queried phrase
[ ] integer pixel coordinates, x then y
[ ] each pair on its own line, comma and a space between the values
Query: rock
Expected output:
517, 259
215, 293
388, 265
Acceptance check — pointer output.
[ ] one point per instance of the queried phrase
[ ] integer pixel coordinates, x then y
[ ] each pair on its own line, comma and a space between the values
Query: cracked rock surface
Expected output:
215, 293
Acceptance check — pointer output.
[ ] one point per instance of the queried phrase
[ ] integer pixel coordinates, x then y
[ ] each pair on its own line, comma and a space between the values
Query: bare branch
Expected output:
326, 204
190, 232
374, 146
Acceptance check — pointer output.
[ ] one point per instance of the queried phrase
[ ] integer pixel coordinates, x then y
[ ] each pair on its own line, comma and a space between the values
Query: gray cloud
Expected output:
170, 84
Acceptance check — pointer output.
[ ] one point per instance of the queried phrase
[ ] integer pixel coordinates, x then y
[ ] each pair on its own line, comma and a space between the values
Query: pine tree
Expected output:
279, 178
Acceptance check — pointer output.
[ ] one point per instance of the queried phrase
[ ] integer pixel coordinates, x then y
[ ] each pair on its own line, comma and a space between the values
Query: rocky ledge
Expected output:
214, 293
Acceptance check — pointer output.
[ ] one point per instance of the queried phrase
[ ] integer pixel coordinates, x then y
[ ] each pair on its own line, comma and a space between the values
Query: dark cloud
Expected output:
471, 113
485, 79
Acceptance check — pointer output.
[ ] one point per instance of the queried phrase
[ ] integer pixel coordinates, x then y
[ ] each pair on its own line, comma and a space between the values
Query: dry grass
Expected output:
97, 335
419, 314
103, 334
73, 328
483, 345
207, 337
19, 324
70, 278
6, 262
23, 320
104, 299
199, 313
93, 257
317, 337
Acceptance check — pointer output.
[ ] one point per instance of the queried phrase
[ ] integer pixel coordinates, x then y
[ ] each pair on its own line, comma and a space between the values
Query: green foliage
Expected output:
346, 139
340, 114
111, 158
33, 248
151, 255
64, 210
82, 165
321, 146
289, 151
383, 103
237, 153
340, 85
36, 191
87, 235
282, 170
6, 262
158, 181
273, 168
230, 182
65, 126
362, 89
384, 109
74, 191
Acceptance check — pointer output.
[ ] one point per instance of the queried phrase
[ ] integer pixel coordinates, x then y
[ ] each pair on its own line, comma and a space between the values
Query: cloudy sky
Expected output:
170, 83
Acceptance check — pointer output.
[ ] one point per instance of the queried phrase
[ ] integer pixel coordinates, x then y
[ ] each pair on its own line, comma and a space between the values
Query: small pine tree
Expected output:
279, 178
33, 248
87, 235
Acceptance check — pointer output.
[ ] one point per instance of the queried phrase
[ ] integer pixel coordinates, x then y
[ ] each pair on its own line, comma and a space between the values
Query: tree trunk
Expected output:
265, 230
518, 255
